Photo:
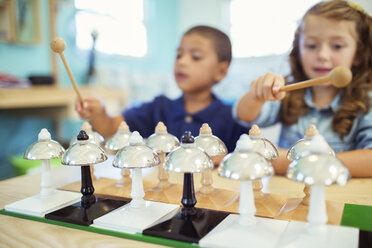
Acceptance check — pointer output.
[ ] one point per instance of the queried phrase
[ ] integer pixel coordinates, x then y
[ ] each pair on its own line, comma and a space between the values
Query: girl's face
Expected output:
326, 43
196, 67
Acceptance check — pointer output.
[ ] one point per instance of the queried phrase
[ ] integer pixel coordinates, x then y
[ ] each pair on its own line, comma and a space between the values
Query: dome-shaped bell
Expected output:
262, 145
44, 148
94, 137
244, 163
83, 152
188, 158
319, 167
210, 143
162, 141
136, 154
120, 138
302, 146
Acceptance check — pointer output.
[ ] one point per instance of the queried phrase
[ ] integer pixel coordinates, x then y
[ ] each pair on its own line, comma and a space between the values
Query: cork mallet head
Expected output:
340, 76
58, 45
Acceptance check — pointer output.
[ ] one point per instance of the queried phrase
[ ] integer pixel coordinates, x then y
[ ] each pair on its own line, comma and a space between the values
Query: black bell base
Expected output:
77, 214
188, 229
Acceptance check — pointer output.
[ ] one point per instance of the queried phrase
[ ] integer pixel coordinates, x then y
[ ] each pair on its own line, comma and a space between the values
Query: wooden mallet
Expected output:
58, 45
339, 77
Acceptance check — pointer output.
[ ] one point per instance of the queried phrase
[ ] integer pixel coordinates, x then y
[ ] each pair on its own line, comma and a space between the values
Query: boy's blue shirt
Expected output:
359, 137
144, 119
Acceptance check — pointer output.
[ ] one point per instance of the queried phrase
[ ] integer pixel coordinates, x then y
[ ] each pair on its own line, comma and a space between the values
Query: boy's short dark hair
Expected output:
220, 39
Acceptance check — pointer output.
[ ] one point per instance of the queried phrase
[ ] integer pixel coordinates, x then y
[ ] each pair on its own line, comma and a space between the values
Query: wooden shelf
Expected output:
50, 96
56, 103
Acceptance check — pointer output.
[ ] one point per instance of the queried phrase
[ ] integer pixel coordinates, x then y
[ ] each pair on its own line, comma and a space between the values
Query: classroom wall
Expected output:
166, 21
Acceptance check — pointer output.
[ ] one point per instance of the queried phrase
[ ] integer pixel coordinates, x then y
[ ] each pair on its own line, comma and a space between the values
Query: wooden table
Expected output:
16, 232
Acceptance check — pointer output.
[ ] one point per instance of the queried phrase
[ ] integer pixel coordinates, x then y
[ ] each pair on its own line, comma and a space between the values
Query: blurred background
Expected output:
122, 51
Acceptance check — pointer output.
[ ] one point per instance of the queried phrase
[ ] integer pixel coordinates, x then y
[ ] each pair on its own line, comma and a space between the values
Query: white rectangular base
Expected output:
329, 236
38, 205
264, 233
131, 220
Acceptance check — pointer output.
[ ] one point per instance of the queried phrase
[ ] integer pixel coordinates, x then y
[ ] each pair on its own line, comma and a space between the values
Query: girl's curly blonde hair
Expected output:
355, 99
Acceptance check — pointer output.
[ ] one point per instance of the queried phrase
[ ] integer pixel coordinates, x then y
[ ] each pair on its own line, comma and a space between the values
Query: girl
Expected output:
334, 33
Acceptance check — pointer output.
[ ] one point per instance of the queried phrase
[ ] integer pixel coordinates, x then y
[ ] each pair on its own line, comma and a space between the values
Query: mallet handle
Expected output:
305, 84
71, 77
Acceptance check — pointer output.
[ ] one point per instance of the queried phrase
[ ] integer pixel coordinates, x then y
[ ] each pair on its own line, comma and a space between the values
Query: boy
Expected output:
203, 59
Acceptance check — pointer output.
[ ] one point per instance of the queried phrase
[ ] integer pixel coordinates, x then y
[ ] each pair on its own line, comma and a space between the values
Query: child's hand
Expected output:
266, 88
92, 106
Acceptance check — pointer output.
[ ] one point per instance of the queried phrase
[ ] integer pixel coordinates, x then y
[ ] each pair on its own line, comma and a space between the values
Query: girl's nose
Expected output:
323, 53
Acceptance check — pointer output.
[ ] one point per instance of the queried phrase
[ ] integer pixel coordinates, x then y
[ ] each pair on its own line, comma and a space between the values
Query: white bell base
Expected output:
263, 233
328, 236
38, 205
134, 220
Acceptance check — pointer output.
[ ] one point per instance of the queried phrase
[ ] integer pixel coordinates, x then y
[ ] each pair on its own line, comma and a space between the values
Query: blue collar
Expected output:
335, 104
205, 115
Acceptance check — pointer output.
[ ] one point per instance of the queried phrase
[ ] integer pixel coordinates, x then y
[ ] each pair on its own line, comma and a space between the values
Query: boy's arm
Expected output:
105, 124
94, 110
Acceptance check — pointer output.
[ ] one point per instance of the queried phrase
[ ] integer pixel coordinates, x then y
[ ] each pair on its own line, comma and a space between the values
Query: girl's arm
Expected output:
281, 163
262, 89
358, 162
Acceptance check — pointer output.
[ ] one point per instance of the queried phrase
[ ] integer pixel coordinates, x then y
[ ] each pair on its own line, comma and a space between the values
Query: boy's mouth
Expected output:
180, 76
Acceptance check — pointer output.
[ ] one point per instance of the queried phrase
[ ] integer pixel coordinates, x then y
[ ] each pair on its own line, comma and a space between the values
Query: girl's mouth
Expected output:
322, 71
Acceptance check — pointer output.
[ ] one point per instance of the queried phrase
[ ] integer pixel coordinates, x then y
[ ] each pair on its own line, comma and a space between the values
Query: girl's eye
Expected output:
178, 56
310, 46
337, 46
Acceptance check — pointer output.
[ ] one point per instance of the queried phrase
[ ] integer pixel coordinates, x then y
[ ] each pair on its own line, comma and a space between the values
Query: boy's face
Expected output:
326, 43
196, 67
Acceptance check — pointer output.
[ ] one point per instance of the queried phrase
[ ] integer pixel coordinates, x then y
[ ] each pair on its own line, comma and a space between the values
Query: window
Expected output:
119, 24
266, 27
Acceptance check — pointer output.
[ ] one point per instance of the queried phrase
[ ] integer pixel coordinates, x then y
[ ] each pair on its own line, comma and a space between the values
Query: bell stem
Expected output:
317, 216
188, 197
247, 208
137, 193
163, 175
206, 181
87, 188
46, 180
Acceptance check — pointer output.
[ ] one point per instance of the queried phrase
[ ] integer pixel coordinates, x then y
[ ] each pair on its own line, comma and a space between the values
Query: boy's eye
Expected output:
178, 55
196, 57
